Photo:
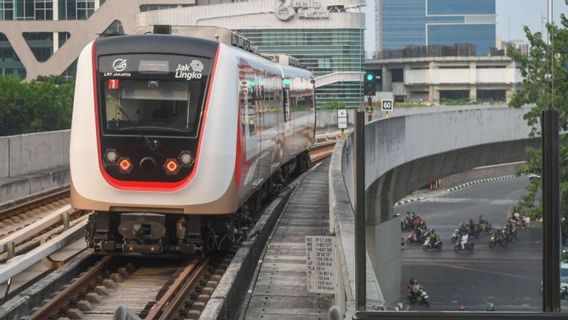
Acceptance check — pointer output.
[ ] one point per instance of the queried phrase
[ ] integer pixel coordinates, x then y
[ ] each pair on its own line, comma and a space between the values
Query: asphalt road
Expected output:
507, 277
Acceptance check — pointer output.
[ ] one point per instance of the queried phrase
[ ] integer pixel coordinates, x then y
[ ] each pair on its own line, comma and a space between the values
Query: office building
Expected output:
405, 23
326, 36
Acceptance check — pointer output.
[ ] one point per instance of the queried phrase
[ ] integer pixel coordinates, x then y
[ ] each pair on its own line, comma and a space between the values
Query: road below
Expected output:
507, 277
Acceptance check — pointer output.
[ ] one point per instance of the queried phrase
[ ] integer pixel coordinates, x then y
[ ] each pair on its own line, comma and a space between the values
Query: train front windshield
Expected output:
152, 94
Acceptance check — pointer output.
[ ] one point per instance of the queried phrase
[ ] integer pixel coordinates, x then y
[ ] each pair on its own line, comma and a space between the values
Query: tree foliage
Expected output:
545, 82
40, 105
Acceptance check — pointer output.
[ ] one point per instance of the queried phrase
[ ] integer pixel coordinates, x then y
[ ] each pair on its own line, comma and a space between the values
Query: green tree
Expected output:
14, 116
41, 105
545, 82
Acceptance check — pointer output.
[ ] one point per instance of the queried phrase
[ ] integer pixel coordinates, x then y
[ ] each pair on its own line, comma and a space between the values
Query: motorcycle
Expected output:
497, 239
474, 231
412, 238
406, 223
484, 226
518, 220
510, 234
455, 236
420, 297
428, 245
464, 244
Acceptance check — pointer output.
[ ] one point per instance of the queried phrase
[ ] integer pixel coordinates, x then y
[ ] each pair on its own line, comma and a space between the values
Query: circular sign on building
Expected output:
284, 10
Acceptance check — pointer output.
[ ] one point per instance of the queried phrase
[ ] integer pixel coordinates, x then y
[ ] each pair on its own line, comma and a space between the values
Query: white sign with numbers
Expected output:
342, 118
320, 264
387, 105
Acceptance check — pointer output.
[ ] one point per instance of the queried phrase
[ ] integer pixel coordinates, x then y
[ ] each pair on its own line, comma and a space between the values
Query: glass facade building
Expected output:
42, 44
322, 51
404, 23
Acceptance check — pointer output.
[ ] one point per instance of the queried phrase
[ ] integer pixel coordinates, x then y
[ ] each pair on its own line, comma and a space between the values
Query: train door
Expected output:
249, 120
288, 121
286, 99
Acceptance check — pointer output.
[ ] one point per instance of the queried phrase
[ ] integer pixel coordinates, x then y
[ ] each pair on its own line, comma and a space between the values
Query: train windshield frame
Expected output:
152, 94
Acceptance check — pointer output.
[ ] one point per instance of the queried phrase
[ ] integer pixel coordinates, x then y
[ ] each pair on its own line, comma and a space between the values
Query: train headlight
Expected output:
186, 159
171, 167
111, 156
125, 165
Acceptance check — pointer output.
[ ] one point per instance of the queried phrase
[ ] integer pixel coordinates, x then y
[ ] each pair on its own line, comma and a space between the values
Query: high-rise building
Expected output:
42, 37
404, 23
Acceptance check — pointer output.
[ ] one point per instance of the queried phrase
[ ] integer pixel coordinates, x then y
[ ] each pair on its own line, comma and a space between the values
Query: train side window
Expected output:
286, 100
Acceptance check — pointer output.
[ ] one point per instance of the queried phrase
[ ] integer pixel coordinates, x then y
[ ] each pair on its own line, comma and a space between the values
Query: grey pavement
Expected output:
508, 277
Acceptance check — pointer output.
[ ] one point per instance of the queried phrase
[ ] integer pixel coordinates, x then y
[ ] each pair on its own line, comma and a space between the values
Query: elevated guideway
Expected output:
403, 154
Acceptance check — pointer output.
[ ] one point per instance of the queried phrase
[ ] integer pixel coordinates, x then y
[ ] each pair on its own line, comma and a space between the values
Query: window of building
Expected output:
10, 64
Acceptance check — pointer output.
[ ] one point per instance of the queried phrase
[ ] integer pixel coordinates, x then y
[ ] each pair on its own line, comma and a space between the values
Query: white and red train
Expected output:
176, 139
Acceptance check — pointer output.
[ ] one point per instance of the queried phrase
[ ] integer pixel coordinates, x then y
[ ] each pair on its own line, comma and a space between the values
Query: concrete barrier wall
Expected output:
35, 152
404, 153
479, 173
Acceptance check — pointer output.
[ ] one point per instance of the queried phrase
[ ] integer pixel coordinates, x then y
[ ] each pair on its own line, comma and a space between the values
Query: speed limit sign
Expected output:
387, 105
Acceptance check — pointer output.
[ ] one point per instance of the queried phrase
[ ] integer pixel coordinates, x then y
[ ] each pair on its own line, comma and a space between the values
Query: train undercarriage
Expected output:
161, 234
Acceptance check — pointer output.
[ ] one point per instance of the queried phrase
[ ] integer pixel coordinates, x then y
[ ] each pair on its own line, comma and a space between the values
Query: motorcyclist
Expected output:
410, 288
418, 233
464, 240
471, 226
463, 229
518, 218
483, 224
433, 236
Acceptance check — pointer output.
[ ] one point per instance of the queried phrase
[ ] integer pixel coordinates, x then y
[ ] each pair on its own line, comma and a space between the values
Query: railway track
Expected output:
321, 151
25, 213
143, 289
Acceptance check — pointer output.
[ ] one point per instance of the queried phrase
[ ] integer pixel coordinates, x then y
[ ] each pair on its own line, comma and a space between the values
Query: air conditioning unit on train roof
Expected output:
222, 35
283, 59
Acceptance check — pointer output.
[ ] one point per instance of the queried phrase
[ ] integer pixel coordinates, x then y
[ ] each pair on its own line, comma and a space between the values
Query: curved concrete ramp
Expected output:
403, 154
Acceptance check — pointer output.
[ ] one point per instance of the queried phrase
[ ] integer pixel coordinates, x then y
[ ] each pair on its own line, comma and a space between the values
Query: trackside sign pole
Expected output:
359, 191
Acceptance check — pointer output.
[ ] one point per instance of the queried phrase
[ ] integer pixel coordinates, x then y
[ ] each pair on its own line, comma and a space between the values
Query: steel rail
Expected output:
70, 292
172, 300
321, 151
33, 202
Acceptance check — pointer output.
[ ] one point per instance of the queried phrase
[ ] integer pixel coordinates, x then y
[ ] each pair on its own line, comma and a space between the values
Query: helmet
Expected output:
411, 280
433, 231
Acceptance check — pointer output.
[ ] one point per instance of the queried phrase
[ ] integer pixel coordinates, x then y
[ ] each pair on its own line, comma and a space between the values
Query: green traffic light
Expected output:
370, 77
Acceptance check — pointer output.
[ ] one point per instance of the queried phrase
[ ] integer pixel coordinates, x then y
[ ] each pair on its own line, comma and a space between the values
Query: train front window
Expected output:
152, 94
145, 106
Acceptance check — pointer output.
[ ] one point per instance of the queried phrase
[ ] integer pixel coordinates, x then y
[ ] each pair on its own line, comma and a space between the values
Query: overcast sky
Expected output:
512, 15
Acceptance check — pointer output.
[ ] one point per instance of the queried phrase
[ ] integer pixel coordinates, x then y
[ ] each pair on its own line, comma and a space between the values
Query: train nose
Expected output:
147, 165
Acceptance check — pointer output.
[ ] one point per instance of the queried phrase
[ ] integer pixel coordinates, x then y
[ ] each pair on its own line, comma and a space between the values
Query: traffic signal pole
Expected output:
369, 108
551, 210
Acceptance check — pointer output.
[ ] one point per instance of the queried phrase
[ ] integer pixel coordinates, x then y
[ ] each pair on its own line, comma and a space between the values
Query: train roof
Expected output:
156, 43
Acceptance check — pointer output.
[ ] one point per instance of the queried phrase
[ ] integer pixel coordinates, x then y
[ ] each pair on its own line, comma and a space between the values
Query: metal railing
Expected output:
379, 315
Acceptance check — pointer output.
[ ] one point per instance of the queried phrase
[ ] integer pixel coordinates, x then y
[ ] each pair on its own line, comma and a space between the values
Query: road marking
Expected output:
511, 275
498, 202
